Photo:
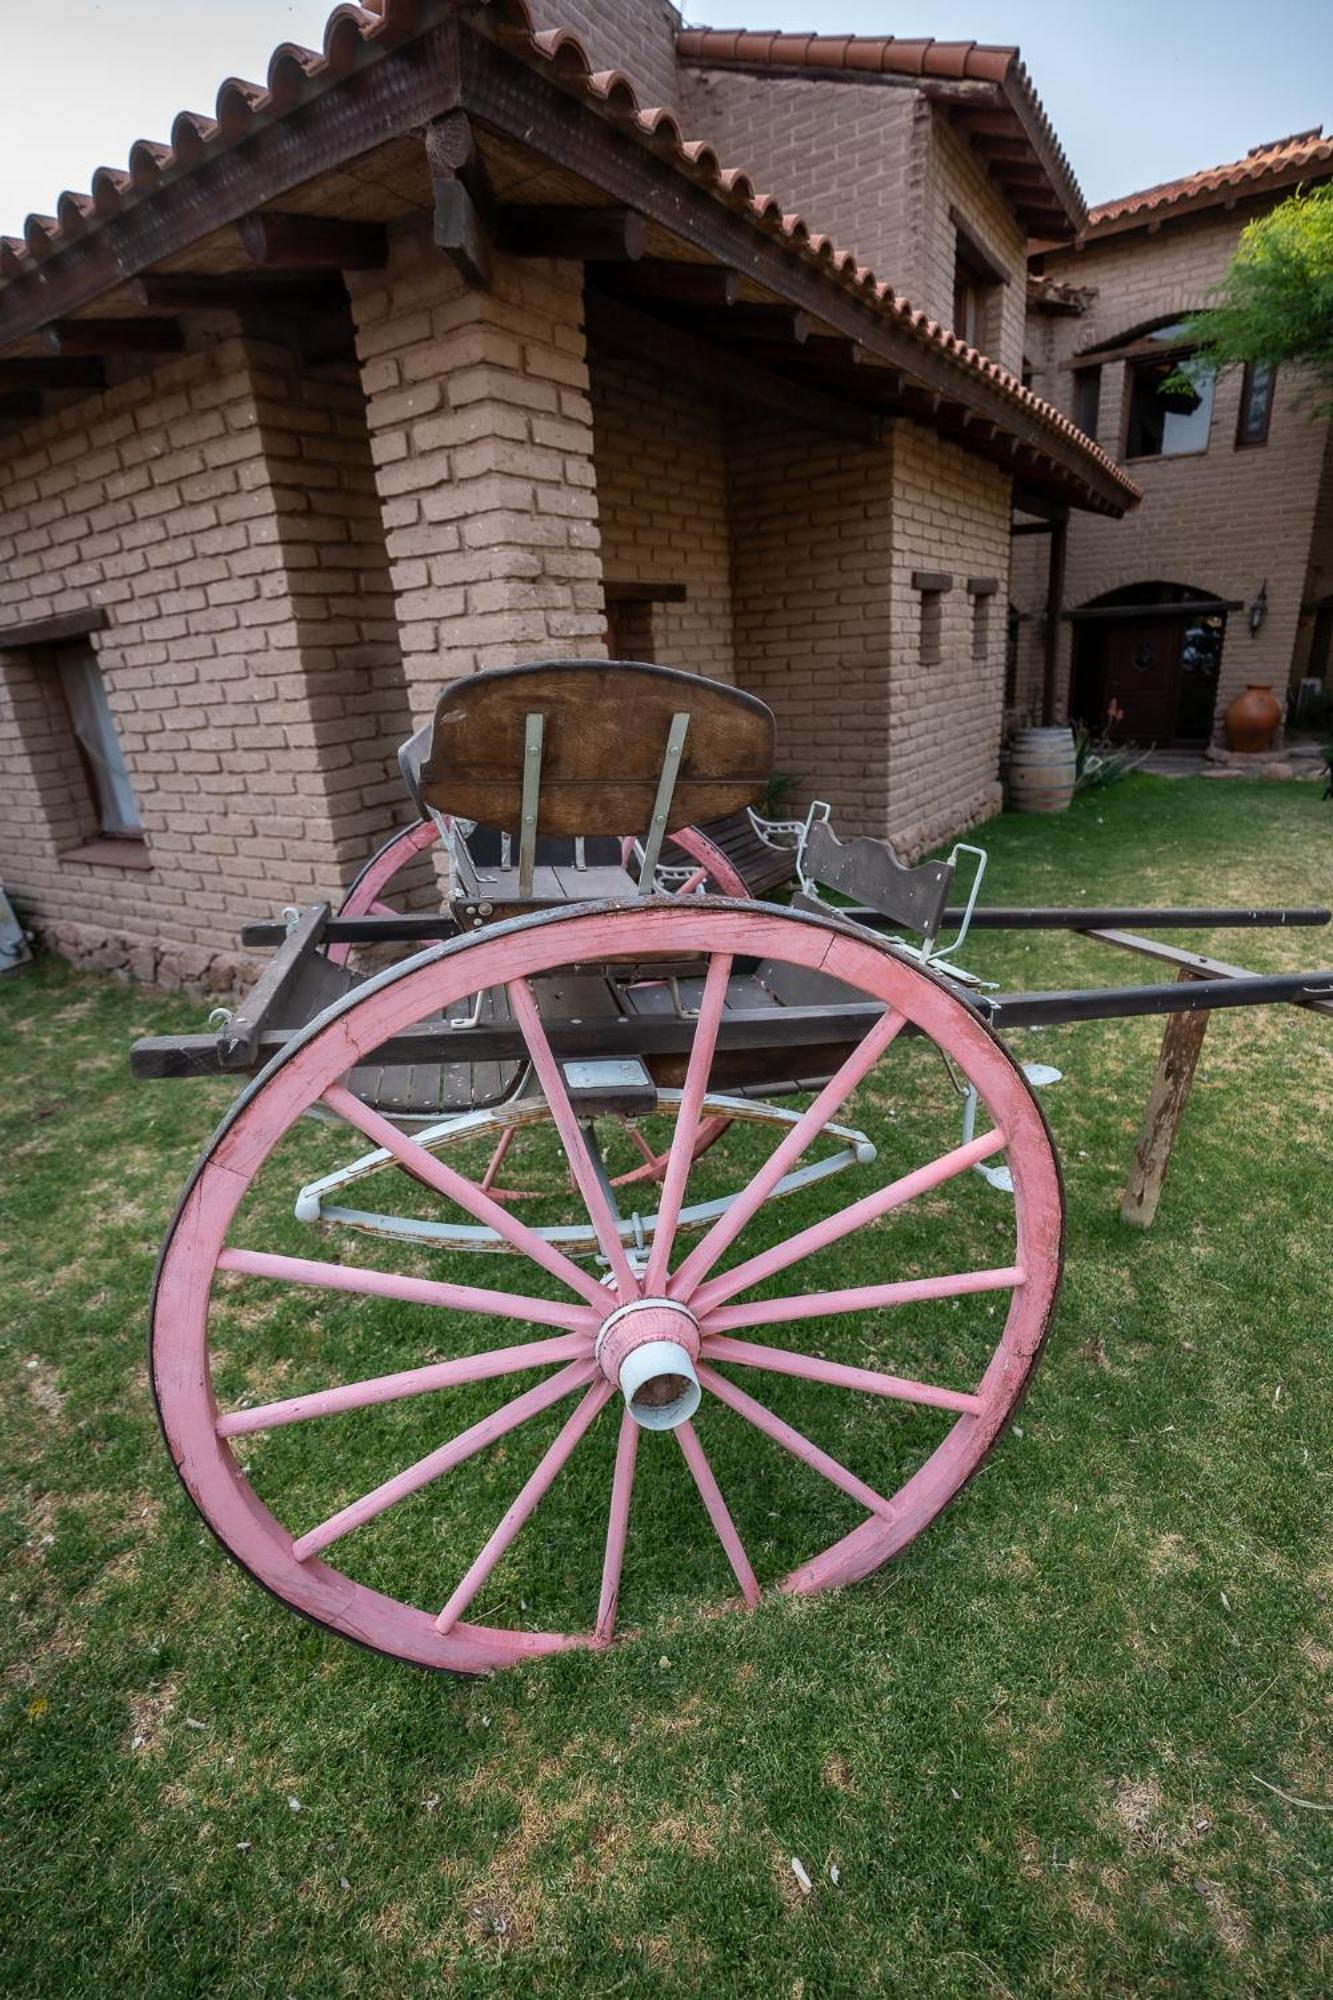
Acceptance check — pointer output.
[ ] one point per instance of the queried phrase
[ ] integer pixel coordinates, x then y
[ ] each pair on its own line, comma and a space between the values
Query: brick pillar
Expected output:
481, 432
812, 562
356, 711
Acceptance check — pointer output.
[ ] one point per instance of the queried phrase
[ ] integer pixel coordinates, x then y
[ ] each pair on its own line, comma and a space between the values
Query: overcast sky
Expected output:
1138, 90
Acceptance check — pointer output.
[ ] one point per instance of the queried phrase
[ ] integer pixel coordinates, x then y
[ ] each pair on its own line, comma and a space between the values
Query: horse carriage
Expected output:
760, 1174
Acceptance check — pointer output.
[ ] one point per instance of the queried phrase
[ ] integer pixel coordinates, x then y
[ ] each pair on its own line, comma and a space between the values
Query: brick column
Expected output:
481, 432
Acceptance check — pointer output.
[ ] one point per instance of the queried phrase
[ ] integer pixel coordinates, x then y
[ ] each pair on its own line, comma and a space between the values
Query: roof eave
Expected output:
535, 91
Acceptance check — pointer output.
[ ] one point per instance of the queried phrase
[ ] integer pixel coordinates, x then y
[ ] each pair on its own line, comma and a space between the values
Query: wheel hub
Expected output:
648, 1349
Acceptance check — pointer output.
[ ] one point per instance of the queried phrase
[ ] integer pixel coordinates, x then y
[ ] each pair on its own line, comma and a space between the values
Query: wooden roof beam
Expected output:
114, 336
20, 407
313, 242
789, 325
673, 283
607, 235
612, 323
23, 373
197, 291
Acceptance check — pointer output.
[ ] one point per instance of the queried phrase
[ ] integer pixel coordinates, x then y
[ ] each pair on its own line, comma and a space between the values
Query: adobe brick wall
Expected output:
661, 462
156, 501
481, 432
812, 569
879, 169
638, 36
851, 157
1220, 522
951, 513
828, 627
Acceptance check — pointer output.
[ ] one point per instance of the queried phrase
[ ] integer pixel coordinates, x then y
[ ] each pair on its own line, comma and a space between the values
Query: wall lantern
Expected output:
1259, 608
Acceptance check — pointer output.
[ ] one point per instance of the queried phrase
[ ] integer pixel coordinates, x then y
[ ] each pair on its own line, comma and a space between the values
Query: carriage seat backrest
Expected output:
583, 743
870, 873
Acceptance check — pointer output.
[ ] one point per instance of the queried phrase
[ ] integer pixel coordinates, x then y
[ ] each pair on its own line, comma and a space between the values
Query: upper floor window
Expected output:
1256, 402
1170, 398
978, 283
1087, 398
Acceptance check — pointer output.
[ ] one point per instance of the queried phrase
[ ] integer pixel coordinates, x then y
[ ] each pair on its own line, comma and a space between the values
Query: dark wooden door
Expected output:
1142, 678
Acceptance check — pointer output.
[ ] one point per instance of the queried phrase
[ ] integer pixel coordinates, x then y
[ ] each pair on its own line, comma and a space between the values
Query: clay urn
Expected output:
1252, 720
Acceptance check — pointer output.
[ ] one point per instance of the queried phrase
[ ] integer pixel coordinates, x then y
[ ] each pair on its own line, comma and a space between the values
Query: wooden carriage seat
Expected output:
738, 861
588, 747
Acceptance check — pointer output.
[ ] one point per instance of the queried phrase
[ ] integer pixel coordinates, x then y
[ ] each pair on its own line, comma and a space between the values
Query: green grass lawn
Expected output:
1037, 1755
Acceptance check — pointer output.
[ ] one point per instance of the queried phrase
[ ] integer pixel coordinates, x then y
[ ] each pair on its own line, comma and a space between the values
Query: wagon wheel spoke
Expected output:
617, 1527
814, 1368
497, 1159
537, 1485
455, 1187
864, 1298
407, 1382
855, 1216
718, 1513
784, 1157
585, 1174
683, 1138
475, 1438
372, 1283
794, 1441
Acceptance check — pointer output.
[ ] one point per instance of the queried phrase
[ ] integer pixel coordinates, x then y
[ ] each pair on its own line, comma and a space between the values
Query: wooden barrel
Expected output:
1041, 770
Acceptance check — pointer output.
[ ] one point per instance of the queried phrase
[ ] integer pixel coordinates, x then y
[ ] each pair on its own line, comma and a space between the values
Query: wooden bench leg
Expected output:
1167, 1099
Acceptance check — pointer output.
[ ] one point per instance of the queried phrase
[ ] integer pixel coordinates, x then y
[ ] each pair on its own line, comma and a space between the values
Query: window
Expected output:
980, 627
110, 794
932, 627
1167, 422
1087, 398
977, 281
1256, 403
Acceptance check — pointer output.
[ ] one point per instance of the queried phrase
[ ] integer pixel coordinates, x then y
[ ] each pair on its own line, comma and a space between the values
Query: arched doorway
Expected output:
1146, 662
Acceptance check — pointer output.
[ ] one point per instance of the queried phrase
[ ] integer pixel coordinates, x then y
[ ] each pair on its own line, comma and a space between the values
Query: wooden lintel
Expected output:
982, 586
461, 233
645, 593
205, 291
606, 235
55, 373
313, 242
615, 324
54, 631
662, 278
931, 582
114, 336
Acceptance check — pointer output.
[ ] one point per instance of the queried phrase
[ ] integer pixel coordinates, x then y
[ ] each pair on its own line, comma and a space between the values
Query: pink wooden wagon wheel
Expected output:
367, 897
669, 1333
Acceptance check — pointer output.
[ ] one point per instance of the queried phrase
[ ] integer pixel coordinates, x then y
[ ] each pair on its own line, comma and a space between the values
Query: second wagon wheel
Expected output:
785, 1402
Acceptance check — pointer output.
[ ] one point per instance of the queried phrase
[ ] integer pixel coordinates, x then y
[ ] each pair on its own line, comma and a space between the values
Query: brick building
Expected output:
444, 349
1236, 525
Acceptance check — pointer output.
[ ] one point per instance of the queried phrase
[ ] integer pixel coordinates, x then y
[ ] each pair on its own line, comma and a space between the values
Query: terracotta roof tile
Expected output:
1276, 163
355, 35
891, 55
